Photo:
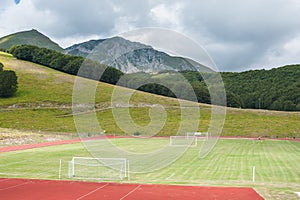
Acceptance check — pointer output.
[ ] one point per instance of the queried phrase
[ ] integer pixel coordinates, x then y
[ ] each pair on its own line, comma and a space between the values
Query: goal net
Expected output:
183, 141
98, 168
199, 135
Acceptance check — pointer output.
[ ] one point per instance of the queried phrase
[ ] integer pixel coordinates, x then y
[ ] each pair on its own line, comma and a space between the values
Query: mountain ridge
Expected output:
30, 37
132, 57
120, 53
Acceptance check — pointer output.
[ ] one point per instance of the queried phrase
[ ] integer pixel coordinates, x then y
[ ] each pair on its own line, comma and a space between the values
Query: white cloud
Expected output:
167, 15
123, 24
283, 54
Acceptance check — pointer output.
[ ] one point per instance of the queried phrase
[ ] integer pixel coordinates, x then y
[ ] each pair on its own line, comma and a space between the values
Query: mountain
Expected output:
32, 37
122, 54
131, 57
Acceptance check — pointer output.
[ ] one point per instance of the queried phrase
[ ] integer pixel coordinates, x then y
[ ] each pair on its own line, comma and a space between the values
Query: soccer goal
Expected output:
183, 141
199, 135
98, 168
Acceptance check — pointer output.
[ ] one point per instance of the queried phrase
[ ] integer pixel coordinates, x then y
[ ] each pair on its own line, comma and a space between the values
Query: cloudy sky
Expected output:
238, 35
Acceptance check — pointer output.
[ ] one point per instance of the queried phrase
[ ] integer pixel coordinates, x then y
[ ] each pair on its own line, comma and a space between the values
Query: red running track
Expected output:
31, 189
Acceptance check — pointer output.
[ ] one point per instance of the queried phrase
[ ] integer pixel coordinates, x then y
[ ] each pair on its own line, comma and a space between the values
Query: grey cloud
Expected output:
77, 17
259, 24
237, 34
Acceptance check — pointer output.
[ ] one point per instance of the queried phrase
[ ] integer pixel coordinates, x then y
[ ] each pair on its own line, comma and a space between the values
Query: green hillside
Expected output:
44, 99
274, 89
32, 37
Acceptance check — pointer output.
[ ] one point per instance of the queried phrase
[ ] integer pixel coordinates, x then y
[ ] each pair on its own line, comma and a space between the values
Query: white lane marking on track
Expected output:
16, 185
91, 192
137, 187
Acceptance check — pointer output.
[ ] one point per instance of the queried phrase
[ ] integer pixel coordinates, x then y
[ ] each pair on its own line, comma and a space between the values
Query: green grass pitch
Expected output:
231, 162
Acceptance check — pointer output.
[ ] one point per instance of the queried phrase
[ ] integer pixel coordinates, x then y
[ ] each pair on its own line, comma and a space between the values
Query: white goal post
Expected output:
199, 135
89, 168
183, 141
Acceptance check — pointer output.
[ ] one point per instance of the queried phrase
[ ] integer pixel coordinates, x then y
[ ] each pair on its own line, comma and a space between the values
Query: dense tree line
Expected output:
8, 82
275, 89
67, 63
170, 84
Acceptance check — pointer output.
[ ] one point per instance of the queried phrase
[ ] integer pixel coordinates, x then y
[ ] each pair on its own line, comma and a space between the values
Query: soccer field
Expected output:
231, 162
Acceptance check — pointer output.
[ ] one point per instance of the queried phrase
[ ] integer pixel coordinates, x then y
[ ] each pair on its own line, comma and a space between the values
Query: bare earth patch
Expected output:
9, 137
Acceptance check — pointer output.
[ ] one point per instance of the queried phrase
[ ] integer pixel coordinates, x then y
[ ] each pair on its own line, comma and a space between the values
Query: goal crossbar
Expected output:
199, 135
98, 168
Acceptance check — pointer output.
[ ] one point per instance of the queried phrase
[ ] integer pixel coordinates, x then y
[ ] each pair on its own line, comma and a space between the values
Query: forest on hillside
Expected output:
275, 89
66, 63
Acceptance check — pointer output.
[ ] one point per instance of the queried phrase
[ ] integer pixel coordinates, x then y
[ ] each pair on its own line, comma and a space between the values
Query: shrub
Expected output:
8, 83
1, 67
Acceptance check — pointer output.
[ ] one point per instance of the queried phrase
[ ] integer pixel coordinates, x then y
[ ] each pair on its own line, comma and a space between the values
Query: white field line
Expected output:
170, 176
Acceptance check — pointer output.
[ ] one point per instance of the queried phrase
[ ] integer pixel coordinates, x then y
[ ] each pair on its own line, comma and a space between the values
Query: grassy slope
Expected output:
44, 102
230, 163
31, 37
